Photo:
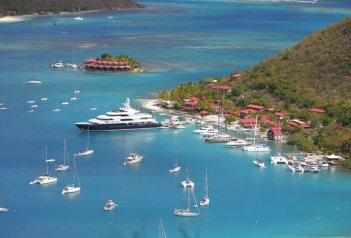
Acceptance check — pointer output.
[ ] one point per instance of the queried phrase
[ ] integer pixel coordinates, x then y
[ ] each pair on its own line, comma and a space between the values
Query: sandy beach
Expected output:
150, 104
11, 19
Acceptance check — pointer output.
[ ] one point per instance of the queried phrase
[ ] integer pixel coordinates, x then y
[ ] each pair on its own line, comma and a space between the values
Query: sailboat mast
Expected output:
76, 173
206, 185
46, 160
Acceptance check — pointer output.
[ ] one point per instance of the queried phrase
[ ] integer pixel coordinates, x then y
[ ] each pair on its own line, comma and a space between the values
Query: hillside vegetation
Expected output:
316, 73
23, 7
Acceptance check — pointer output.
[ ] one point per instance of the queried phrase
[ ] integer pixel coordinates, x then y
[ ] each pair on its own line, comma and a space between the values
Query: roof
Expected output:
254, 106
281, 114
277, 131
317, 110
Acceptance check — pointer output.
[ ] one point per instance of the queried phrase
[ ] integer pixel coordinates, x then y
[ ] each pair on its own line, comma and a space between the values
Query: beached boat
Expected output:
75, 187
206, 200
133, 158
65, 165
124, 118
87, 151
46, 178
187, 212
110, 205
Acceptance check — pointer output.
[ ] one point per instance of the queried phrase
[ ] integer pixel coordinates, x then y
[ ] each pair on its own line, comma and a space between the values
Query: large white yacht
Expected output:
124, 118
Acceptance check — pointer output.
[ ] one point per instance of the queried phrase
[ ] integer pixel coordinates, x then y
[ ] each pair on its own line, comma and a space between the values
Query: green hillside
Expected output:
316, 73
23, 7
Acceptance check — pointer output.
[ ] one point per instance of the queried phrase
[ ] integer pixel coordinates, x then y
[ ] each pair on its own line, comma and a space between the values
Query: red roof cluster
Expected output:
281, 114
248, 122
91, 62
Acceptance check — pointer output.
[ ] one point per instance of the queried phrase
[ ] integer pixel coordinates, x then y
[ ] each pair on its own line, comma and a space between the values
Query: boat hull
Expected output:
85, 126
185, 213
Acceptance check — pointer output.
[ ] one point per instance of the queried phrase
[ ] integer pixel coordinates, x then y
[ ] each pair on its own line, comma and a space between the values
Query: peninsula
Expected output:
31, 7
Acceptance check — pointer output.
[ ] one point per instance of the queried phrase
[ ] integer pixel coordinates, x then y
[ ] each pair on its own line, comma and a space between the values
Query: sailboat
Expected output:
161, 230
279, 158
75, 187
256, 147
3, 209
206, 200
2, 104
87, 151
175, 168
187, 183
46, 178
187, 212
65, 165
79, 17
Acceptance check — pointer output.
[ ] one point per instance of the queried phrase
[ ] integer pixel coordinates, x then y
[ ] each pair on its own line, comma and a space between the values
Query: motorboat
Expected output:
33, 81
124, 118
256, 148
109, 205
238, 143
133, 158
58, 64
218, 138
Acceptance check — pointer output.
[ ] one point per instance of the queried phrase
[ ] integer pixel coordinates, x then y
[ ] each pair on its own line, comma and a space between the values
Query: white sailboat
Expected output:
206, 200
75, 187
187, 183
187, 212
175, 168
256, 147
79, 17
65, 165
3, 209
161, 230
87, 151
3, 105
46, 178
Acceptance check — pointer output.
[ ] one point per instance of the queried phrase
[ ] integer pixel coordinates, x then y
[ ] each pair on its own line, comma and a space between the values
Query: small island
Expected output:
112, 64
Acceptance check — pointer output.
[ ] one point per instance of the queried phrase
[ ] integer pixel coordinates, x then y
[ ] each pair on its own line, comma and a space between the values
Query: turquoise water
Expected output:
176, 41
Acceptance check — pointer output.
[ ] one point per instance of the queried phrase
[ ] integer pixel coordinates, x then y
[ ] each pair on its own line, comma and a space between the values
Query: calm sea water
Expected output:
177, 42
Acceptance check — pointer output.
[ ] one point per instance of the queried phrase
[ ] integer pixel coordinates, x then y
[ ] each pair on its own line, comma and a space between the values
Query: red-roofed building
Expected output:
236, 75
317, 110
275, 134
281, 115
204, 113
255, 107
248, 122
